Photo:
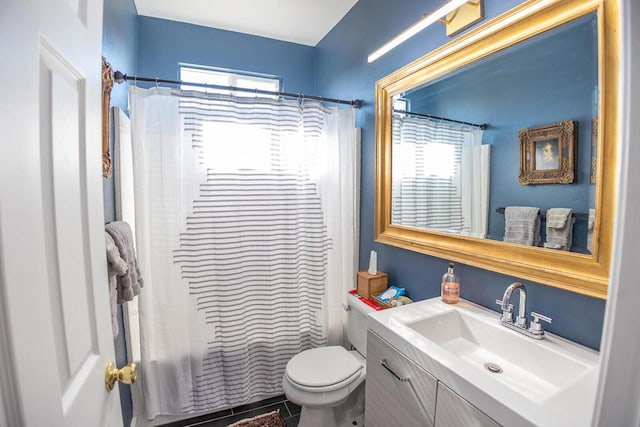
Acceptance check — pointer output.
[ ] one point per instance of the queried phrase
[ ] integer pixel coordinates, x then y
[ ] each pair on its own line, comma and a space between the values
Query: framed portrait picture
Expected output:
547, 154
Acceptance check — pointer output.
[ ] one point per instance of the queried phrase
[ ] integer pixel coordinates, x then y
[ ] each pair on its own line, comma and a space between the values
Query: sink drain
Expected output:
493, 368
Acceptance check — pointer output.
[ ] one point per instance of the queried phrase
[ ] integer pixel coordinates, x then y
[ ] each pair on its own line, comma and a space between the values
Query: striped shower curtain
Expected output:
245, 227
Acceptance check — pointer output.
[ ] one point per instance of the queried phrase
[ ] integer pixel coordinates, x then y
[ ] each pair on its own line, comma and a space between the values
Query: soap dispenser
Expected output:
450, 286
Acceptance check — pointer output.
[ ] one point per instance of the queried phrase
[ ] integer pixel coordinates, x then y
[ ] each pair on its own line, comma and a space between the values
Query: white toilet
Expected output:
328, 382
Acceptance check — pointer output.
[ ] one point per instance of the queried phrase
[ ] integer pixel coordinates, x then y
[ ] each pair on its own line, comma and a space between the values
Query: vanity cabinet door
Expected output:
453, 411
398, 392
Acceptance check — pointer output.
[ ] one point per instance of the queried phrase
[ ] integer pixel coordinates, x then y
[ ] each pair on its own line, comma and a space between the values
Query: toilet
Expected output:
328, 382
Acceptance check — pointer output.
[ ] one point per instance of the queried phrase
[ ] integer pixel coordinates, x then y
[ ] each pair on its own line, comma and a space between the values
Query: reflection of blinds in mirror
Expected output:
432, 188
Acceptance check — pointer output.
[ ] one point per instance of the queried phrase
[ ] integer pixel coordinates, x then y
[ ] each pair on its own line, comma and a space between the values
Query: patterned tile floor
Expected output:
289, 411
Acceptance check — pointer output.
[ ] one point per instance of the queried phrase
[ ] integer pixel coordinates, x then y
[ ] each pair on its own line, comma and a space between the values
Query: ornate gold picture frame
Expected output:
547, 154
107, 85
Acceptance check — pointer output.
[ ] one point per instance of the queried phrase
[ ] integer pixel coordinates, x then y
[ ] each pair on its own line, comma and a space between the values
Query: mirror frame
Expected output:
581, 273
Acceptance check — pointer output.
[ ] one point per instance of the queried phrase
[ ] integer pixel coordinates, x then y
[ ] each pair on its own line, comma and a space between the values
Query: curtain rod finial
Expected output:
119, 77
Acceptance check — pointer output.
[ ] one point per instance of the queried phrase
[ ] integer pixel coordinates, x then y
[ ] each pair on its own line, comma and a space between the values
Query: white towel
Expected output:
590, 222
522, 225
115, 267
559, 229
129, 283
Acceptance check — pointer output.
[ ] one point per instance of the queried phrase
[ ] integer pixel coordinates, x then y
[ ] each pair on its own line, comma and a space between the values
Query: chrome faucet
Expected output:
520, 324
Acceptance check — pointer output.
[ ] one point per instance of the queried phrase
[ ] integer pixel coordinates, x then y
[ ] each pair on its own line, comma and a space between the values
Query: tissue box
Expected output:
371, 284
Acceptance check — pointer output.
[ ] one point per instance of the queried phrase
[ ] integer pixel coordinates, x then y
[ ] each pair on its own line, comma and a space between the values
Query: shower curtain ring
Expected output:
157, 83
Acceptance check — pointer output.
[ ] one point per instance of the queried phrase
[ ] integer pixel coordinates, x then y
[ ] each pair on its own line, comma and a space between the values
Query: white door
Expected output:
54, 308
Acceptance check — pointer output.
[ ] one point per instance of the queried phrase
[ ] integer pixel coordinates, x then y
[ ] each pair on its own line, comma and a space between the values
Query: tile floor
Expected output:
289, 411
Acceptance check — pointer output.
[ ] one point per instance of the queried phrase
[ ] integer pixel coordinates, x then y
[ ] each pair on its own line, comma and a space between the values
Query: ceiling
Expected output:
299, 21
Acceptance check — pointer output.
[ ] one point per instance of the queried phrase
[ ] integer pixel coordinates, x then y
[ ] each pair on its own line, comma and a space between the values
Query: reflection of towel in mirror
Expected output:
522, 225
590, 223
129, 283
559, 229
115, 267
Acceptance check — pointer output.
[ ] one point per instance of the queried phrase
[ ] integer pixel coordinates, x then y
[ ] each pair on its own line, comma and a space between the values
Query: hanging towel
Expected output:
130, 282
590, 222
115, 267
522, 225
559, 229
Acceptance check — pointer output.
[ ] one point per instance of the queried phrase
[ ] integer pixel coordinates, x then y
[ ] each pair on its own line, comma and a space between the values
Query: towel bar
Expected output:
579, 217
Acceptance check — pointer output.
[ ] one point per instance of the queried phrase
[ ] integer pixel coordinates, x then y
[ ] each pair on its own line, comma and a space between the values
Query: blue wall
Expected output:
164, 44
120, 48
343, 72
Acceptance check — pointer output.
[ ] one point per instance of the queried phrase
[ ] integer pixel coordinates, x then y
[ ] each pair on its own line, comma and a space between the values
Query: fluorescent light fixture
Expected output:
416, 28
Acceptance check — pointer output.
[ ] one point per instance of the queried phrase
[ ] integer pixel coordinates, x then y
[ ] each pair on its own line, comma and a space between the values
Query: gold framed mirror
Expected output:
585, 271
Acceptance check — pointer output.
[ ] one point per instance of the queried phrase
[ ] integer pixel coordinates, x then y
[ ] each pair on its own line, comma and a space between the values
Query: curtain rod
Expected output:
120, 77
479, 126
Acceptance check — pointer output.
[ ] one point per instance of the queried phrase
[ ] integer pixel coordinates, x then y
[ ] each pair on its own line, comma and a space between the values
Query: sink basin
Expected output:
535, 369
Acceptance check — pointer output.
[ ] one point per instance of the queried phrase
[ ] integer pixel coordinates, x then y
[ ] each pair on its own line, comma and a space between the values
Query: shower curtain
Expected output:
440, 176
246, 230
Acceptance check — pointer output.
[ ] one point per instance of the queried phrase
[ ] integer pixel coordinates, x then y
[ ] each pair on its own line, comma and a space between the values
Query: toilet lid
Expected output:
323, 366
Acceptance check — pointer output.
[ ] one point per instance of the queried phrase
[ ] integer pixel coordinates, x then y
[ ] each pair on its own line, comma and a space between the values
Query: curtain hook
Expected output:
157, 83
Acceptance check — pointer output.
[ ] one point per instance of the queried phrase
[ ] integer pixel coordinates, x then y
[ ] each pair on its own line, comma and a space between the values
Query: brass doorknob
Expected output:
126, 375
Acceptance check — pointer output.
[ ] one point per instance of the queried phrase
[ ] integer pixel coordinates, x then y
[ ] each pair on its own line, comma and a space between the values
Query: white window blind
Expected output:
193, 74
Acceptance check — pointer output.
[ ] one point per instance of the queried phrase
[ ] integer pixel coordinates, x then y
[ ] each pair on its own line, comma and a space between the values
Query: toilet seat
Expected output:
323, 369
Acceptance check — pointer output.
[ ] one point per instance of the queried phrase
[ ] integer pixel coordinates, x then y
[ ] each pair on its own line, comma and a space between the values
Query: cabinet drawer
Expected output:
398, 392
453, 411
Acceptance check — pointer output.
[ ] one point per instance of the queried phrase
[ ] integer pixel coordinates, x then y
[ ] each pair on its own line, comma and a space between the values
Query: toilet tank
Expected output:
357, 323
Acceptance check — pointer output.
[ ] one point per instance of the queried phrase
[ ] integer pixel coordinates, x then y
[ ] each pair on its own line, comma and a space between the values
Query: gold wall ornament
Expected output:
584, 273
107, 85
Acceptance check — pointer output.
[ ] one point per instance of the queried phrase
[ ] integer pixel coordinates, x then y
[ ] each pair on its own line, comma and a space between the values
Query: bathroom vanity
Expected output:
434, 364
410, 399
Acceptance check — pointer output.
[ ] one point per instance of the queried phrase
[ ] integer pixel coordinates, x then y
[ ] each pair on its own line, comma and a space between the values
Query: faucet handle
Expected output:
536, 327
499, 302
507, 316
538, 316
